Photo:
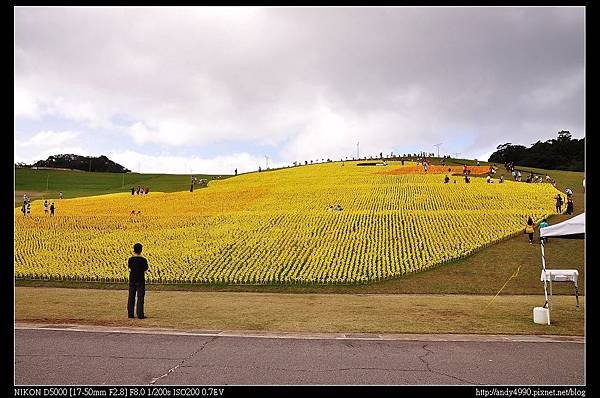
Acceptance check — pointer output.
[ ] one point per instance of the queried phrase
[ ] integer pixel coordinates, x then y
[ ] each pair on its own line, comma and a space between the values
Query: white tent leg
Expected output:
544, 269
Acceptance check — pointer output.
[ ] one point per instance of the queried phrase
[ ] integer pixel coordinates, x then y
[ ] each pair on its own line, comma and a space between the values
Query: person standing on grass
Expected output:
543, 224
138, 265
52, 210
45, 207
60, 195
559, 203
570, 205
530, 229
569, 193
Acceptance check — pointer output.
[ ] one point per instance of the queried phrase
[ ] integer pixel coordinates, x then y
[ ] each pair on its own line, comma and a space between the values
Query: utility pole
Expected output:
266, 157
357, 150
438, 148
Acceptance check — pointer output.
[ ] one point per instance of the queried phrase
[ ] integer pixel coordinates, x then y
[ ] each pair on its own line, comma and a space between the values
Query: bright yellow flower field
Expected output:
276, 227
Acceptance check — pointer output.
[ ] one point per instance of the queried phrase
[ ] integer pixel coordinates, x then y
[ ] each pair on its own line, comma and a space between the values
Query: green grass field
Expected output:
47, 184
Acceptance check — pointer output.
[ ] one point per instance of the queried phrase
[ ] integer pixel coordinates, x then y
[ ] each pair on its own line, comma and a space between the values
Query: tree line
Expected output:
562, 153
78, 162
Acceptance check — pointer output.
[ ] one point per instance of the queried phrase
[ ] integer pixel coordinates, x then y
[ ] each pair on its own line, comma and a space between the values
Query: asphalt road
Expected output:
96, 356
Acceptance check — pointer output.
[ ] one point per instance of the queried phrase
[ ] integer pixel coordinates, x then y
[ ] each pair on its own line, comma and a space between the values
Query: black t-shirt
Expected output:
137, 265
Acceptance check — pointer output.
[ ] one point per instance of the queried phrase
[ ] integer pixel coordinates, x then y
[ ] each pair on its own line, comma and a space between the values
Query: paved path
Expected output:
59, 354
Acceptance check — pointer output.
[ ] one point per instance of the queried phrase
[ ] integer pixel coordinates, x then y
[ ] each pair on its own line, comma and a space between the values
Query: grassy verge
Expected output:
302, 313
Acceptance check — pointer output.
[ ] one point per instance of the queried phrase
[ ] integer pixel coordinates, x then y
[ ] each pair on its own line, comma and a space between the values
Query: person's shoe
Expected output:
130, 316
142, 317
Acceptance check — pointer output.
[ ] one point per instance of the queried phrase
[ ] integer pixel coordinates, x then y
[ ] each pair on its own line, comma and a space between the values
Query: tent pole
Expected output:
544, 271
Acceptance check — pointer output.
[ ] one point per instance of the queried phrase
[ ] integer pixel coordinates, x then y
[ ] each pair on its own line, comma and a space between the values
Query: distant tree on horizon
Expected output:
84, 163
562, 153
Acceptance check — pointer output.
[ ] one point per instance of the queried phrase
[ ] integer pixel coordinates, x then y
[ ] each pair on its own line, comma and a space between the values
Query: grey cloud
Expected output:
258, 73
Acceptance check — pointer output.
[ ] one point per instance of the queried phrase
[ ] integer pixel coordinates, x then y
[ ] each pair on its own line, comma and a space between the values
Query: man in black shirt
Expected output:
137, 284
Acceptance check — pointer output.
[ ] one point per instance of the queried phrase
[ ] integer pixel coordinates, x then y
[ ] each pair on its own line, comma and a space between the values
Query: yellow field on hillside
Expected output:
276, 227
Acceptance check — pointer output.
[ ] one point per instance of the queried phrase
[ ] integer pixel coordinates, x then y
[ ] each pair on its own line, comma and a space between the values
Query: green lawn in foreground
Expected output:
302, 313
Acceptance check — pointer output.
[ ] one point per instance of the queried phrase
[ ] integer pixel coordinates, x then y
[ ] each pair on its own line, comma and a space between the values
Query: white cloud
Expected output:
41, 145
311, 81
48, 138
26, 105
172, 164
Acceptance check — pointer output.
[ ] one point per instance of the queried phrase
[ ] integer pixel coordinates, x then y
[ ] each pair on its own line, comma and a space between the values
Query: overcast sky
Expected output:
211, 89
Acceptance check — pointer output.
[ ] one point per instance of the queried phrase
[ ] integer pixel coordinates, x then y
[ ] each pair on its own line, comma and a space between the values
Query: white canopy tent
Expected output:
573, 228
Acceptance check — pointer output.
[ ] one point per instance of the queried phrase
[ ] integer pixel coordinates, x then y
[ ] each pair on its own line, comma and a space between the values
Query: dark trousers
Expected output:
140, 289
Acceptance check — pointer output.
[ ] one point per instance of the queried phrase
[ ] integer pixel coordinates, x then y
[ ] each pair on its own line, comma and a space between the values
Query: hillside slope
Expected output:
278, 227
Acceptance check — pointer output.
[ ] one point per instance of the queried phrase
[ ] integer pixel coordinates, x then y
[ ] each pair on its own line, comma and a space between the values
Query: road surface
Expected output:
71, 355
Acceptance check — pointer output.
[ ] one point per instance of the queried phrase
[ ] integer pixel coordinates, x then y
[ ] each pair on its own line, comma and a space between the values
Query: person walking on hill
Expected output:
559, 203
137, 265
236, 171
132, 191
45, 207
52, 210
60, 195
530, 229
